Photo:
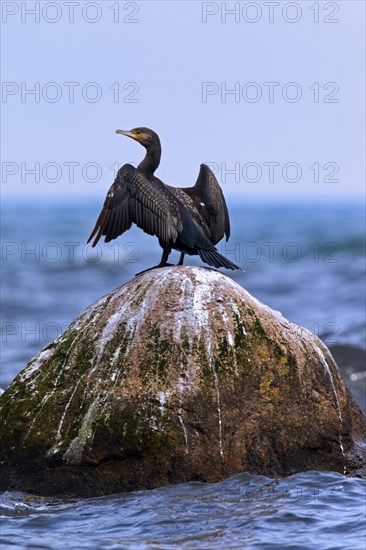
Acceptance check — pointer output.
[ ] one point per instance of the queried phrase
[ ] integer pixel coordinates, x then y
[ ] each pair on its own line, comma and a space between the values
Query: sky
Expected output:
269, 94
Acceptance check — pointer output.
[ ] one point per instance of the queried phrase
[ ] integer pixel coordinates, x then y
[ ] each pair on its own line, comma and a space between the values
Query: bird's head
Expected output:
145, 136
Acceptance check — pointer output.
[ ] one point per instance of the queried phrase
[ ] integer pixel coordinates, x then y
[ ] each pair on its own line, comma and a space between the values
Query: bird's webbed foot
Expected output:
153, 267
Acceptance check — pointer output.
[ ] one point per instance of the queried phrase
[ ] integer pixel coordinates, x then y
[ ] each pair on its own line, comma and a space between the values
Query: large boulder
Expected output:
177, 375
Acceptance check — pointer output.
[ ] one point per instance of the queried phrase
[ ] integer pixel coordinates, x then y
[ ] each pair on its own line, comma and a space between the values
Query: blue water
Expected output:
312, 510
308, 261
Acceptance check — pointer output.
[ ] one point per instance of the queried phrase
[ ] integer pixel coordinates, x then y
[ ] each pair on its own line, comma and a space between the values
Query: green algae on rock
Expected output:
177, 375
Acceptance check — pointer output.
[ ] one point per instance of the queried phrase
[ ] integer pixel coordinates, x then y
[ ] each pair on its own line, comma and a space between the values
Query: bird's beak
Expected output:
127, 133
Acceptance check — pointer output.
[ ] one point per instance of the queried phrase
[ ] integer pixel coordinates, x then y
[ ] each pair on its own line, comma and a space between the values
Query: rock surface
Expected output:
177, 375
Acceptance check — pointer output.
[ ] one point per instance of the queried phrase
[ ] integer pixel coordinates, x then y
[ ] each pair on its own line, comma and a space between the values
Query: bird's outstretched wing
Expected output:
210, 203
134, 199
114, 218
190, 205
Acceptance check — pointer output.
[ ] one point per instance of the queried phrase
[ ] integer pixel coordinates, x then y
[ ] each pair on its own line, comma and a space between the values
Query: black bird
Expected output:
191, 220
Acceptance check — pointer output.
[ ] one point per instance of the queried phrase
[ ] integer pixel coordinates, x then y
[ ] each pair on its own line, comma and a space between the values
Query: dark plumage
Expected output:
191, 220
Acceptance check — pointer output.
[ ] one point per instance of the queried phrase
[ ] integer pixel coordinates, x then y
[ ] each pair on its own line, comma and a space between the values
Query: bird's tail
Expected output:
212, 257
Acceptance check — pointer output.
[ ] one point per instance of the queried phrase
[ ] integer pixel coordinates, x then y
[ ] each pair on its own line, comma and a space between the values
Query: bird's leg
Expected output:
163, 261
181, 259
164, 257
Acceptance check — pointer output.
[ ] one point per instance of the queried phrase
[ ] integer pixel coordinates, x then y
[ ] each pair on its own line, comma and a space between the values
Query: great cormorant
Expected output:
191, 220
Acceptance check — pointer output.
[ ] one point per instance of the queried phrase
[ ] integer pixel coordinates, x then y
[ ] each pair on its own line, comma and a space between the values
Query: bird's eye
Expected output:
138, 132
